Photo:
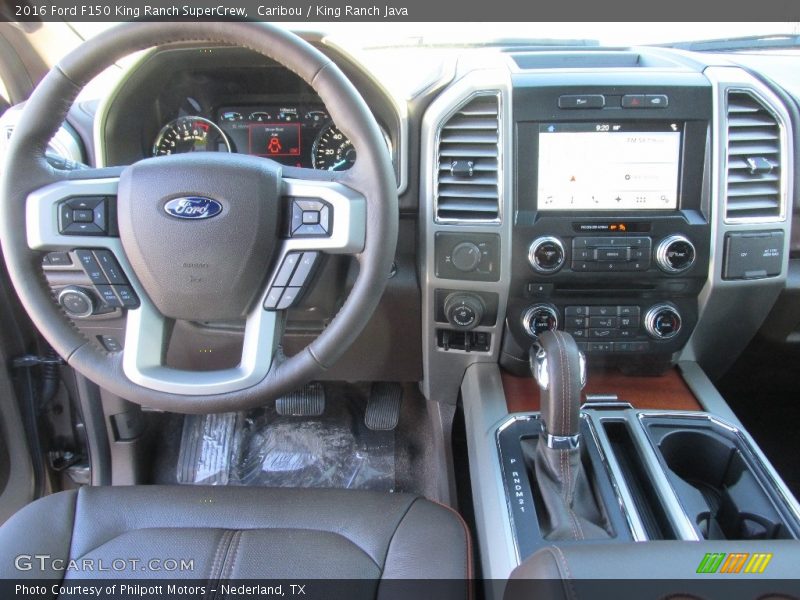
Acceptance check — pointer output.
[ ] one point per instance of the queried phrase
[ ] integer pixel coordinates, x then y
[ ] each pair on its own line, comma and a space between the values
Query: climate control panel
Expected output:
604, 328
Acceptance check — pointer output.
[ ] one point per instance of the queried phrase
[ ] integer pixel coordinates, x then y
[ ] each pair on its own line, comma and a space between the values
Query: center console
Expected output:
637, 203
612, 232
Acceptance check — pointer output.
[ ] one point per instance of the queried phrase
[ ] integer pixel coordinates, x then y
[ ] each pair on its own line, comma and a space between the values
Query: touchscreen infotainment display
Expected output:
609, 166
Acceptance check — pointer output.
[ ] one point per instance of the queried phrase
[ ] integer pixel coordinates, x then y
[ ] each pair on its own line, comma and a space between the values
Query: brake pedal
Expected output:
308, 401
383, 408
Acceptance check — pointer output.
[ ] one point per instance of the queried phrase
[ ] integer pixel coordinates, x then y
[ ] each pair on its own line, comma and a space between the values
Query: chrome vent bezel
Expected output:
753, 132
470, 131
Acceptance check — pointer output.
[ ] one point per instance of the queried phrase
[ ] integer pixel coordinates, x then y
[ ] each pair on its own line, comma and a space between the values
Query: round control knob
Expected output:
76, 301
466, 257
675, 254
663, 321
463, 311
539, 318
546, 255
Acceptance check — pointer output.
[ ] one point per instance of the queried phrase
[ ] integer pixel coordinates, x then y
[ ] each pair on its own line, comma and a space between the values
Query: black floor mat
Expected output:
263, 448
761, 388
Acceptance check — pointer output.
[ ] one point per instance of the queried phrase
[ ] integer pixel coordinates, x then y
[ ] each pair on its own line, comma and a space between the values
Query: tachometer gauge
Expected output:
332, 151
190, 134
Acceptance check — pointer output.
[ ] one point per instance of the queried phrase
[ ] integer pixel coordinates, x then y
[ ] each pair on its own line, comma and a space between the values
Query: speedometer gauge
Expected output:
332, 151
190, 134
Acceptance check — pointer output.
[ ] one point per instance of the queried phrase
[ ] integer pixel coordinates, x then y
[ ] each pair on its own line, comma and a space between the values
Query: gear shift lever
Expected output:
572, 511
560, 370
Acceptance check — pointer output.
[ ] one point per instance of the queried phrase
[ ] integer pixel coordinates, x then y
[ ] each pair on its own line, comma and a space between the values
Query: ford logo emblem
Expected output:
193, 207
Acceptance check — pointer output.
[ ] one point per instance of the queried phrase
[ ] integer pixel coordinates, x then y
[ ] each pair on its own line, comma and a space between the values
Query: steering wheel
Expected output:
200, 237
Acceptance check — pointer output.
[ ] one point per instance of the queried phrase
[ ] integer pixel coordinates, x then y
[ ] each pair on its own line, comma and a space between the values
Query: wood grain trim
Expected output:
664, 392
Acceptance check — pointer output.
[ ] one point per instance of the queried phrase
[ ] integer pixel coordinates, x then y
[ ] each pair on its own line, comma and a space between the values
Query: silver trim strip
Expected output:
562, 442
443, 371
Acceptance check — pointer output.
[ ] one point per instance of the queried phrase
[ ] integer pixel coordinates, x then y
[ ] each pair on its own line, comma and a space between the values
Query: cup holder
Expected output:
717, 487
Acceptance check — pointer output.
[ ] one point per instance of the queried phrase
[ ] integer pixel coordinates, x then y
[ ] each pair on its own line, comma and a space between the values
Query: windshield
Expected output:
383, 46
388, 34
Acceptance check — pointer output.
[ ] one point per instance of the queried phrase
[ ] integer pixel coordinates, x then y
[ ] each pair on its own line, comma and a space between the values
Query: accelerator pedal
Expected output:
308, 401
383, 408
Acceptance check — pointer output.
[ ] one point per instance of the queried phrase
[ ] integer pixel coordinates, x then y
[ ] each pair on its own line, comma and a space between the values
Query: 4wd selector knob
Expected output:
546, 254
463, 311
675, 254
663, 321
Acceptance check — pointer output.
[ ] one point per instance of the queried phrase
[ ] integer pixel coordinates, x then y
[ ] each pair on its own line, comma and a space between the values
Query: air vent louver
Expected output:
467, 179
754, 160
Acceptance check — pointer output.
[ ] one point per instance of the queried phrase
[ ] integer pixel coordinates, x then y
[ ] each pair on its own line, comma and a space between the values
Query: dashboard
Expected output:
637, 198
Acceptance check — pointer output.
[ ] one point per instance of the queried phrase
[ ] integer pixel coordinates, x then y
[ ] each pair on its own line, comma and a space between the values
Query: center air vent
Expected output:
467, 186
754, 161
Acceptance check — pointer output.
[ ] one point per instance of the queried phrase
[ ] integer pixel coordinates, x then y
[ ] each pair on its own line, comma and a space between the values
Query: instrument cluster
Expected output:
293, 135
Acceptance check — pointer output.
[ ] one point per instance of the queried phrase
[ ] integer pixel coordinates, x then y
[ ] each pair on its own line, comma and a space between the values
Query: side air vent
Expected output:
467, 186
754, 160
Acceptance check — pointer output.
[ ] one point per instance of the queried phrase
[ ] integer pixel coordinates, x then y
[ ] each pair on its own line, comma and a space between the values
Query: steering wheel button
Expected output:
83, 215
127, 295
297, 218
82, 229
273, 297
84, 202
91, 266
325, 218
288, 298
64, 217
112, 269
99, 215
310, 217
109, 297
303, 269
310, 230
286, 270
310, 205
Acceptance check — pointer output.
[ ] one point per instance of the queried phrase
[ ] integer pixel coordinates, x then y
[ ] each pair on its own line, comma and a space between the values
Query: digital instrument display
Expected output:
285, 133
608, 166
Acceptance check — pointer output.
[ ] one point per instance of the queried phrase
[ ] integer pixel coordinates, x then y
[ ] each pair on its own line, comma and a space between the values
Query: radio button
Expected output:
611, 254
546, 255
582, 266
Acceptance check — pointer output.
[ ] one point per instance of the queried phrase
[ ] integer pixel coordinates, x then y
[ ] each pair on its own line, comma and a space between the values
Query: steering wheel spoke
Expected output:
322, 216
146, 338
73, 214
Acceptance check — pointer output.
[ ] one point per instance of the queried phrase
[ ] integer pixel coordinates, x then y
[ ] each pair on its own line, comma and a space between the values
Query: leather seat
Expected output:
240, 533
